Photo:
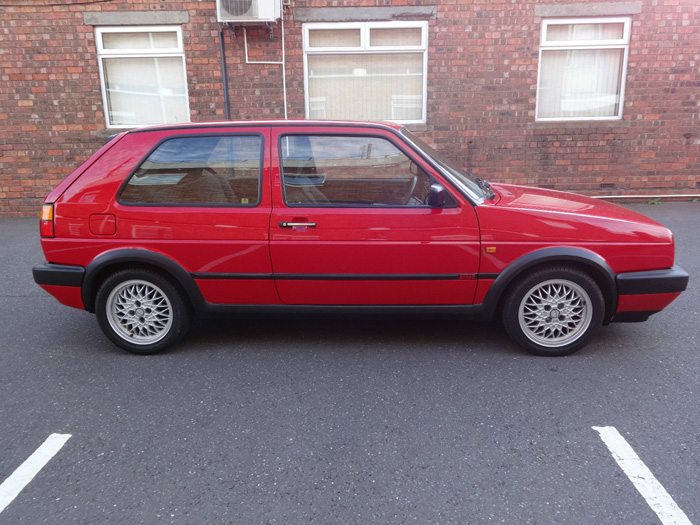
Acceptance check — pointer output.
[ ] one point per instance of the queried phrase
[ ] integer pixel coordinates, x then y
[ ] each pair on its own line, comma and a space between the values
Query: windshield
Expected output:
476, 187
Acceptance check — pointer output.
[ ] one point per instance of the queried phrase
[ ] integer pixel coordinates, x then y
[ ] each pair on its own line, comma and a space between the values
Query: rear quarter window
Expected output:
211, 170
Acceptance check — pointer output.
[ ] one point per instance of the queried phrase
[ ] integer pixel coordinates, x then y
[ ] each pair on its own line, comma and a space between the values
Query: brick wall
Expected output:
485, 108
483, 58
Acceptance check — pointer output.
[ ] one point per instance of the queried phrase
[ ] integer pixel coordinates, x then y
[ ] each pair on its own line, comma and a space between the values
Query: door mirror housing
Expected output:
437, 196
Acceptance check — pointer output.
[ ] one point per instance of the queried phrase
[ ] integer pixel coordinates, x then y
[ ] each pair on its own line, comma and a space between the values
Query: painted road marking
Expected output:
651, 490
21, 477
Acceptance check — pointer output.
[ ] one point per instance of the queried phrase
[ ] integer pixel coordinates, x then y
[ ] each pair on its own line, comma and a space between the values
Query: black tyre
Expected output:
554, 311
141, 311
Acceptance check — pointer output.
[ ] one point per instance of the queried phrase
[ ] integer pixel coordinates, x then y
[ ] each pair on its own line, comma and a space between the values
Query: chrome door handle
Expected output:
285, 224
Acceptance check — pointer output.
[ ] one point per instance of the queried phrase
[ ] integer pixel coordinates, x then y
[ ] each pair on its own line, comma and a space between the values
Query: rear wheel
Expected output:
554, 311
141, 311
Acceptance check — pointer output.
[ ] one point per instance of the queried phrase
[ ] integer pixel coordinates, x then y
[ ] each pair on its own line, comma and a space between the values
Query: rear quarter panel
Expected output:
201, 239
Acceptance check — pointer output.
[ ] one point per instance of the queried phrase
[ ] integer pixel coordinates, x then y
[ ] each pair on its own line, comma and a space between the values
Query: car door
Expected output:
350, 224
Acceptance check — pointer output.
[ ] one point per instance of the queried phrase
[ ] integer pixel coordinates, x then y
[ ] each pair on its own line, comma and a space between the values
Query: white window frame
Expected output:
569, 45
365, 49
174, 52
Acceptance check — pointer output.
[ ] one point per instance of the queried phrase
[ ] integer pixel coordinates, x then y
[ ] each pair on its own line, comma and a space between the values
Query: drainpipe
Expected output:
224, 73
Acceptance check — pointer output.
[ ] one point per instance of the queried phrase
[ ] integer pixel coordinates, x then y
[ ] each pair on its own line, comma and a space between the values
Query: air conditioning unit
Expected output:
248, 11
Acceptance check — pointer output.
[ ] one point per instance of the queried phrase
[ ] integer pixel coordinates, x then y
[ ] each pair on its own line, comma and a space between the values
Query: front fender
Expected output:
558, 255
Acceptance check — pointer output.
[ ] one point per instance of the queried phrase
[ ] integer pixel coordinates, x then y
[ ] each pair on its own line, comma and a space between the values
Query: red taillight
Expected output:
46, 222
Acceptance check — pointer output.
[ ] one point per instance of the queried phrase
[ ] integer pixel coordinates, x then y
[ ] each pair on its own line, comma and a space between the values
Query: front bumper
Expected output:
641, 294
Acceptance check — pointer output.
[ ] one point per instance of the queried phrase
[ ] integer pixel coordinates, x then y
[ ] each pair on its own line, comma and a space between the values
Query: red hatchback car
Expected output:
278, 216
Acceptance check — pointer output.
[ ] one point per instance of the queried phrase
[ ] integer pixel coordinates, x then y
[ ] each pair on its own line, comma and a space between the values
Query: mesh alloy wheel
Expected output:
139, 312
555, 313
142, 311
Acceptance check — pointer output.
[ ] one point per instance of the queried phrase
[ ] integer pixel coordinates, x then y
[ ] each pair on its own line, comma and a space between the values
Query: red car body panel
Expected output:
402, 255
373, 242
66, 295
524, 219
645, 302
239, 291
200, 239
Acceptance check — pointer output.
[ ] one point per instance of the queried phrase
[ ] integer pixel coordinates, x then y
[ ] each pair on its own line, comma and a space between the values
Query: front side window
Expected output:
321, 170
366, 71
201, 170
142, 70
582, 68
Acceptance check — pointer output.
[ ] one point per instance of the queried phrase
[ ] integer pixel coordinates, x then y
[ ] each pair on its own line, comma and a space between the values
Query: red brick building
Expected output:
594, 97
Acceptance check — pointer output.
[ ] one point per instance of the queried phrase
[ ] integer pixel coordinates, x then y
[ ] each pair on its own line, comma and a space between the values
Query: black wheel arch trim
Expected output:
555, 255
130, 256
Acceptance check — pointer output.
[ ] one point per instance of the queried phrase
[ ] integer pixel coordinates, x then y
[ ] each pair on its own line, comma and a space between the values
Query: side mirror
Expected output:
437, 196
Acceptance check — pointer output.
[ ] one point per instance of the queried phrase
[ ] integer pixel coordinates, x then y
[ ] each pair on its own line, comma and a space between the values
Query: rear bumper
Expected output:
58, 275
641, 294
63, 282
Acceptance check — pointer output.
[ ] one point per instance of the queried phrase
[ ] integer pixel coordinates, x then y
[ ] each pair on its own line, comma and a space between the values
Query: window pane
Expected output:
584, 32
350, 171
199, 170
407, 36
156, 40
366, 87
145, 90
580, 83
334, 38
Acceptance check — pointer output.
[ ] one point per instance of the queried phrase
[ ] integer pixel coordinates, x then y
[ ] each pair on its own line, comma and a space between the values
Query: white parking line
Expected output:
639, 474
19, 479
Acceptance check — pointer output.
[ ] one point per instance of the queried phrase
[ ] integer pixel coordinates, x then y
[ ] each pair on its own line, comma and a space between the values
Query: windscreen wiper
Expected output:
484, 185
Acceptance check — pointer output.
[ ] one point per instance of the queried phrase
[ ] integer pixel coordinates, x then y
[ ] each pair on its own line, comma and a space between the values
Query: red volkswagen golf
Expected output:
278, 216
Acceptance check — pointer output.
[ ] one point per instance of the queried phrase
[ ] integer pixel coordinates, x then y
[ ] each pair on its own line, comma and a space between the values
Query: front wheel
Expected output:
141, 311
554, 312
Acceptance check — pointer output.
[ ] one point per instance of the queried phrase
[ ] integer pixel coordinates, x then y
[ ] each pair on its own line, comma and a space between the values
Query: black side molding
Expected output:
343, 276
58, 275
257, 311
672, 280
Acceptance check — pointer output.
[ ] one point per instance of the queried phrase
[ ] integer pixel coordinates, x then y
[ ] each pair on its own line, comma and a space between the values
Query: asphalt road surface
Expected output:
318, 421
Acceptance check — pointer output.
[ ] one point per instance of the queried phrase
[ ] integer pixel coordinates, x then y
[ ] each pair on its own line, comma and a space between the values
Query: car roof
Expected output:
268, 123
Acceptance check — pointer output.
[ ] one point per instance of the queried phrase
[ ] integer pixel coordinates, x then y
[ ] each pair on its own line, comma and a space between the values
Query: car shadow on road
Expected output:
428, 335
349, 335
340, 335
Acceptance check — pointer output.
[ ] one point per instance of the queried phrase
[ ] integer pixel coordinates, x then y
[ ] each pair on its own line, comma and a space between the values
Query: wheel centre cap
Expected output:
555, 313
